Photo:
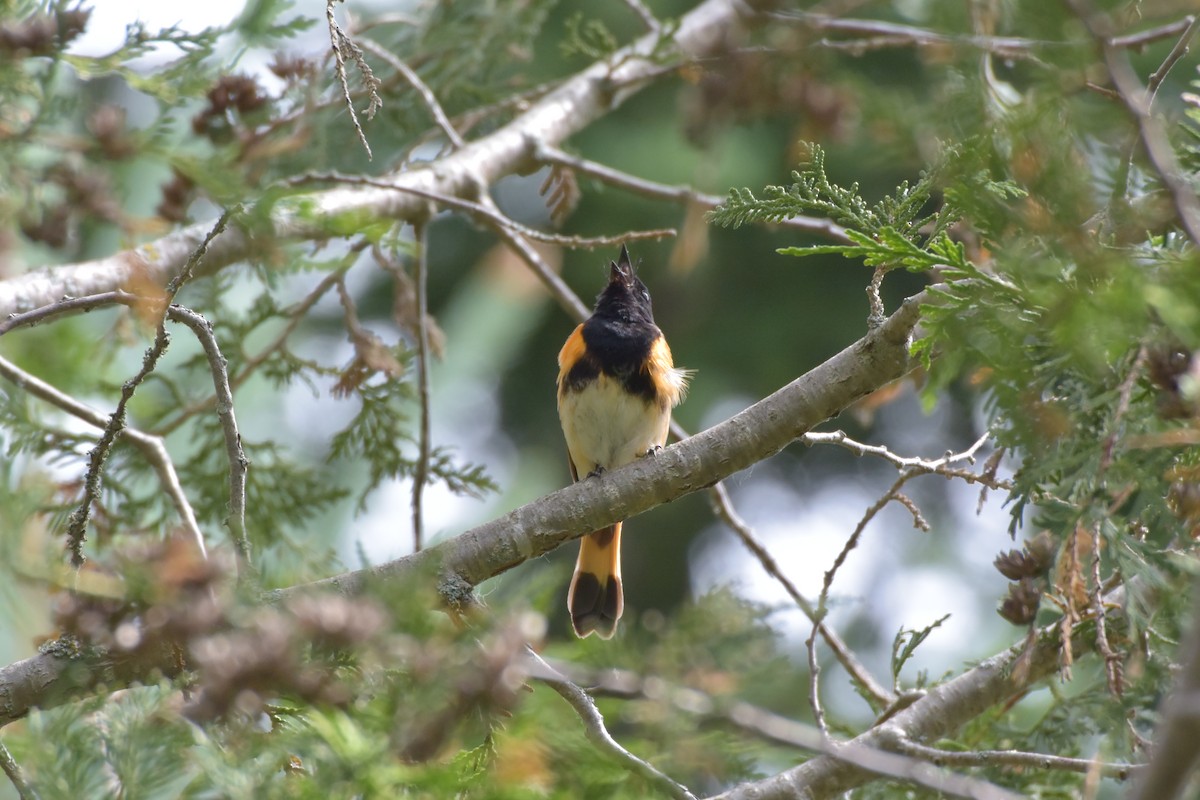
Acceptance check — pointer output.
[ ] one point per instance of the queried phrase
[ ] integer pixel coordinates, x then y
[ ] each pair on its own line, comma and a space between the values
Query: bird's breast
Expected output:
607, 426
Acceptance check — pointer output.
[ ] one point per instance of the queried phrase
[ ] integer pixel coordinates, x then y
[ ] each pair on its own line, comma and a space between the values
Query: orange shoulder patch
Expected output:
571, 352
670, 383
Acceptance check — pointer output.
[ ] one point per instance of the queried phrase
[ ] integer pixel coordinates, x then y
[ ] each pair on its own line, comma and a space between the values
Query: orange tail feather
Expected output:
595, 598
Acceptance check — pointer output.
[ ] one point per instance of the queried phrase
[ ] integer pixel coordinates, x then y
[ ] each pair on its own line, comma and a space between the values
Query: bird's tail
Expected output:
595, 597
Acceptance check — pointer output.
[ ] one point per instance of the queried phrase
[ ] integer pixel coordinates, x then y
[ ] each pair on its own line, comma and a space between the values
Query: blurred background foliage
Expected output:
101, 150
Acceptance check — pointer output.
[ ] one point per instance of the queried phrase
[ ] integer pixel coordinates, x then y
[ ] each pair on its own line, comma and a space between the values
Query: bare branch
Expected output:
1177, 737
875, 34
911, 469
1133, 41
13, 770
250, 365
151, 447
488, 214
341, 44
919, 466
568, 108
1177, 52
1013, 758
676, 194
597, 734
644, 14
878, 33
764, 724
238, 463
942, 710
1114, 673
1136, 99
77, 523
878, 696
422, 470
557, 287
72, 305
427, 96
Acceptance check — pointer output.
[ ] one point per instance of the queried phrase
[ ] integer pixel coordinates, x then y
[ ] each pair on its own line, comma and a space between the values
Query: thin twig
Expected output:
912, 468
593, 727
1012, 758
879, 33
1126, 393
814, 680
295, 315
77, 522
151, 447
1155, 81
341, 43
1143, 38
878, 696
16, 775
769, 726
852, 541
421, 472
1136, 99
487, 214
1114, 674
919, 466
876, 315
919, 521
1121, 179
238, 463
891, 34
814, 665
557, 287
677, 194
427, 96
71, 305
644, 14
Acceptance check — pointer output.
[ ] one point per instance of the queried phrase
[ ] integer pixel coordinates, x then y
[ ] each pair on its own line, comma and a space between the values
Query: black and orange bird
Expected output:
616, 388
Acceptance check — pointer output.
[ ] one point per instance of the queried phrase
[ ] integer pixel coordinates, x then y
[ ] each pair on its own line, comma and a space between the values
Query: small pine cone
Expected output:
1021, 605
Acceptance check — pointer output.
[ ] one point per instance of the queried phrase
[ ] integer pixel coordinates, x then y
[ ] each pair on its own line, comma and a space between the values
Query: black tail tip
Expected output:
595, 608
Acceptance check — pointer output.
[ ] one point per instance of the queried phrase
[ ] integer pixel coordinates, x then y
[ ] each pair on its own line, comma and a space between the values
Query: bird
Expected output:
617, 385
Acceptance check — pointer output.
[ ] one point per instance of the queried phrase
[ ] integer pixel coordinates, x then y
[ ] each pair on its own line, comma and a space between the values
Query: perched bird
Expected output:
616, 388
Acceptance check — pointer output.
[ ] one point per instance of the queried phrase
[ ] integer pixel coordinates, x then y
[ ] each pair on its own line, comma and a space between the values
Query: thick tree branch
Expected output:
939, 713
538, 527
1173, 760
576, 103
696, 463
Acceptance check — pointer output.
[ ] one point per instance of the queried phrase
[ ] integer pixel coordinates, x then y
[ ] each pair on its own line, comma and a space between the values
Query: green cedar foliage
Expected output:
1066, 296
1062, 302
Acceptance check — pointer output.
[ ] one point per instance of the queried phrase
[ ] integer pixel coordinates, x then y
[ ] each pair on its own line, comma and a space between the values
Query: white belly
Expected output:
606, 427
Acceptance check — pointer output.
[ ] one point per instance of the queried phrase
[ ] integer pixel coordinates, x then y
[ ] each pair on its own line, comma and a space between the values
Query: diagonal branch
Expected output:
575, 104
539, 527
151, 447
758, 432
593, 722
238, 463
939, 713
